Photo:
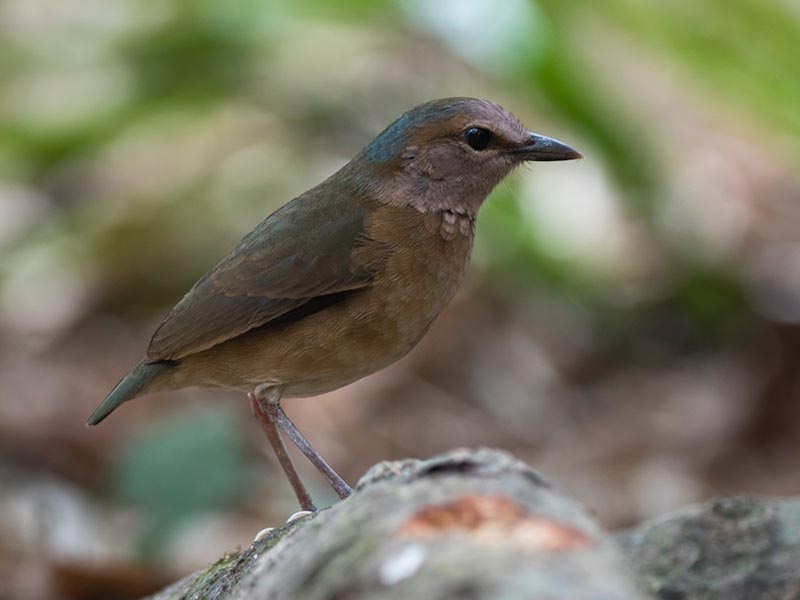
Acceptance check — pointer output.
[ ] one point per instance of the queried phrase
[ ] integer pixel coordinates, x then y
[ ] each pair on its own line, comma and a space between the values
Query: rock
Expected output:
467, 524
740, 548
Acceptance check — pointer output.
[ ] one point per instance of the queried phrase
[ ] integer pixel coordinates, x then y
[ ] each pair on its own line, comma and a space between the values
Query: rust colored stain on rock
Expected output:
493, 520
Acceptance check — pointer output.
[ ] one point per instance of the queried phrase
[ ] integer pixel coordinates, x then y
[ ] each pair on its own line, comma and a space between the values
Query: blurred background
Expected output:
629, 325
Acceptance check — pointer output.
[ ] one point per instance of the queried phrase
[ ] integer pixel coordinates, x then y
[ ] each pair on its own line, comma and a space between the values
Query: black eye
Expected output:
478, 138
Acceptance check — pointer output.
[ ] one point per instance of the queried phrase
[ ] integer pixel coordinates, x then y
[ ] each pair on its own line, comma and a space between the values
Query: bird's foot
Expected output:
263, 533
300, 514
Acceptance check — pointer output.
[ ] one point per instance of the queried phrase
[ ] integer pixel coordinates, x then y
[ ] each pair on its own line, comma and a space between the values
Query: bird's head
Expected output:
450, 153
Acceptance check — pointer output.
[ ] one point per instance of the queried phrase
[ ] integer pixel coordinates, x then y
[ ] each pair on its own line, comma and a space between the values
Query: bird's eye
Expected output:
478, 138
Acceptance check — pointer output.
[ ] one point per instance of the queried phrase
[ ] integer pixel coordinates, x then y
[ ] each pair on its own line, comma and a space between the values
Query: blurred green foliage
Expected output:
180, 467
741, 50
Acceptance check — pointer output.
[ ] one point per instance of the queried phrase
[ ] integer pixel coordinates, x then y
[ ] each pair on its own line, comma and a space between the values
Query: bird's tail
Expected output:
130, 387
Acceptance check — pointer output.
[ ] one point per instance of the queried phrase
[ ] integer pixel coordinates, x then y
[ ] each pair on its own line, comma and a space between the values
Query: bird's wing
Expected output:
304, 250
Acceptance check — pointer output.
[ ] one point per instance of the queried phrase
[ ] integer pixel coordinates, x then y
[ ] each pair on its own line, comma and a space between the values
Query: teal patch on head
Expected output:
391, 142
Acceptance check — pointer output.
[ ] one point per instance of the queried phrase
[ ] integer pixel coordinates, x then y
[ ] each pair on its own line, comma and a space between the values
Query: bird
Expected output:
344, 279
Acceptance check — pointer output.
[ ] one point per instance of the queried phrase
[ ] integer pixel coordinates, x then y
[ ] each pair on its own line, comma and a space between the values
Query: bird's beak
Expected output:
543, 148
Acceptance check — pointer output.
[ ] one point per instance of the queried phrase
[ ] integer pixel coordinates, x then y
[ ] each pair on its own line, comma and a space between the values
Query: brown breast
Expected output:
430, 253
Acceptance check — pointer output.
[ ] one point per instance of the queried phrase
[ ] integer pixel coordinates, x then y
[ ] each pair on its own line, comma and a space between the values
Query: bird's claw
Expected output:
263, 533
299, 515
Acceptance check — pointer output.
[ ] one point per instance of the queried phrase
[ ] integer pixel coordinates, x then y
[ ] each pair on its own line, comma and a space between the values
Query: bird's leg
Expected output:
285, 423
270, 404
273, 435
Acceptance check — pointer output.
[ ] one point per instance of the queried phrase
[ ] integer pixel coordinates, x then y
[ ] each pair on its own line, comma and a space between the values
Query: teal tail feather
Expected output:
130, 387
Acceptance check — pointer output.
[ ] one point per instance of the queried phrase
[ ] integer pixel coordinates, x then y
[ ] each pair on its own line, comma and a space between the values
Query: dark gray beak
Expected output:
540, 147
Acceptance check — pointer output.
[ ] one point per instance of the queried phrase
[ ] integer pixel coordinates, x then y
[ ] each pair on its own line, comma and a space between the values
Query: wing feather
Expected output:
301, 251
